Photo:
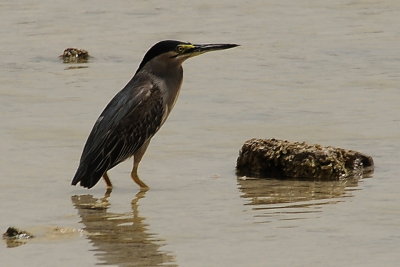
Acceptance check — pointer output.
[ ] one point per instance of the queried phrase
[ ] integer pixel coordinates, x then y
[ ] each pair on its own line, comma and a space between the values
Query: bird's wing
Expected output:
132, 117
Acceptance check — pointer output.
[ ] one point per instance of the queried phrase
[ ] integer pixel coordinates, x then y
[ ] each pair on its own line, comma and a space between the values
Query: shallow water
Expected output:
317, 71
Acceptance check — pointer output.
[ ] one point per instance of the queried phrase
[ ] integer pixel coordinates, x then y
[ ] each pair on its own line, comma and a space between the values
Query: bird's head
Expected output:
170, 51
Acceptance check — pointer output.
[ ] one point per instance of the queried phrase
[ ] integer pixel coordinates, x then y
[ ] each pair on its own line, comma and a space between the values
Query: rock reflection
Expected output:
290, 199
120, 238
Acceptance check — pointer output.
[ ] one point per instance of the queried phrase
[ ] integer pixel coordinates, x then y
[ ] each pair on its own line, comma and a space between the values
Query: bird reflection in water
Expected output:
120, 238
292, 199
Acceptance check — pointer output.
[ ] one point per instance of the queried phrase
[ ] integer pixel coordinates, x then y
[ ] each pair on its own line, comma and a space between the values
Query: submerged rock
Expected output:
16, 237
14, 233
75, 55
284, 159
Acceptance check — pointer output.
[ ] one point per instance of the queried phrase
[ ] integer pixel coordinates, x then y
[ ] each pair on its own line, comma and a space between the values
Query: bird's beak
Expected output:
212, 47
203, 48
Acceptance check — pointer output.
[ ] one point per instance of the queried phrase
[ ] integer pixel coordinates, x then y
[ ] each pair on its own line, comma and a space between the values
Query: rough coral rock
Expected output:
75, 55
284, 159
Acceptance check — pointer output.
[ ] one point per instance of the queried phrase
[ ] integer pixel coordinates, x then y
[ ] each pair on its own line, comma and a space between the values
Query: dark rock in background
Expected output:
75, 55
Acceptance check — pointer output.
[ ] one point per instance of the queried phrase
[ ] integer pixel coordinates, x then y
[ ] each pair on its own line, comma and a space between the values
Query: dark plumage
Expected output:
120, 130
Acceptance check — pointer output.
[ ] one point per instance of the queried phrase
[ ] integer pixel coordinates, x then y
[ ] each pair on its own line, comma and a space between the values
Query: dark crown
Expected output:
158, 49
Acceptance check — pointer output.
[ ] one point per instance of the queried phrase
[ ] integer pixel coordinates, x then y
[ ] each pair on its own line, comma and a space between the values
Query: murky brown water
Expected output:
318, 71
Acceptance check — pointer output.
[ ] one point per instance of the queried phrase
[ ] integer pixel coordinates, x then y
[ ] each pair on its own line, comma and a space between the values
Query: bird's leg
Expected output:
137, 157
107, 180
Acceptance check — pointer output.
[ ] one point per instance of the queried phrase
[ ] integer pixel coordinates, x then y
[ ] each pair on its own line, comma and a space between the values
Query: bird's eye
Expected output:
180, 49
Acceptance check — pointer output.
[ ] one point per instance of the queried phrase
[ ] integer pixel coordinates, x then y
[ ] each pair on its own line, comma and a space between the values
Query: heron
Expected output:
129, 121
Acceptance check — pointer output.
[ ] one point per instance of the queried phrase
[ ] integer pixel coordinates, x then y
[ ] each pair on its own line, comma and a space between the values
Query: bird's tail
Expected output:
87, 178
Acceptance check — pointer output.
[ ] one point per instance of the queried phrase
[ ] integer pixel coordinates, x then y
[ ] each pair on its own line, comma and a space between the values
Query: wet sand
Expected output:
309, 71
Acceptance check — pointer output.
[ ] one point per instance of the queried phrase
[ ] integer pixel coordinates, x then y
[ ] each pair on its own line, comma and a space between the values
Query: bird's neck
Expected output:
169, 79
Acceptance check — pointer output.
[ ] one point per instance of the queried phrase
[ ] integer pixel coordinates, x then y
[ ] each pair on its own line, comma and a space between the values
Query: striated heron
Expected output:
127, 124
